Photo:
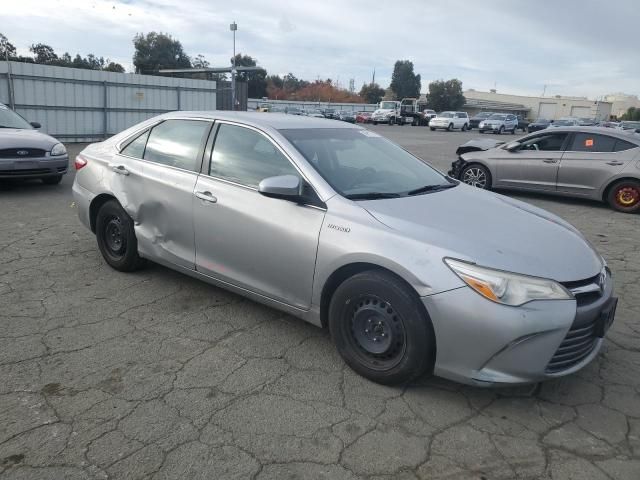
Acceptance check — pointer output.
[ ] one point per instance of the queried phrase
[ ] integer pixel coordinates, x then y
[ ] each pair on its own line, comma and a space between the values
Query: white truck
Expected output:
408, 110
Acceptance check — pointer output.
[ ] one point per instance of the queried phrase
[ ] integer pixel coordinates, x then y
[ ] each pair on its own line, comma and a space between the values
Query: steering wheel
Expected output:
364, 175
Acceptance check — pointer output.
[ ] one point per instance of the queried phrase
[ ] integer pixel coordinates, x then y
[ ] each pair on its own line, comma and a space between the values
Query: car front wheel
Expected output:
381, 329
476, 175
624, 196
116, 237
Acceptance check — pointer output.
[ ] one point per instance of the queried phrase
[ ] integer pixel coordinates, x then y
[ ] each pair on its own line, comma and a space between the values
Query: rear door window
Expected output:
177, 143
589, 142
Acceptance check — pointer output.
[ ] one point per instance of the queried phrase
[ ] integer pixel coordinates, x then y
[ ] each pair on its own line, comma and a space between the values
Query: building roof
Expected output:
494, 105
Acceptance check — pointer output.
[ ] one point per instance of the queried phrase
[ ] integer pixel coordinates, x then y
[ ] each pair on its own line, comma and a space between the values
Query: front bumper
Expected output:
490, 128
439, 123
483, 343
380, 119
33, 167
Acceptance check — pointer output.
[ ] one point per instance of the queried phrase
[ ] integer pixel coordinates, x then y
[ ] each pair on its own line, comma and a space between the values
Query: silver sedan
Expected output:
585, 162
334, 224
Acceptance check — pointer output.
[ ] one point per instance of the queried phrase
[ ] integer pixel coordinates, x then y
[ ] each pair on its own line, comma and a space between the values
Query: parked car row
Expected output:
542, 123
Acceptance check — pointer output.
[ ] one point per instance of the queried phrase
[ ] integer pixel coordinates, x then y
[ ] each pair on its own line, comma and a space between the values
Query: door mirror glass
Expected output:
286, 187
36, 124
512, 146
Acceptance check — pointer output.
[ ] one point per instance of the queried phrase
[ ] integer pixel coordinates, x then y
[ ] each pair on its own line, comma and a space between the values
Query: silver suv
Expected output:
327, 221
499, 123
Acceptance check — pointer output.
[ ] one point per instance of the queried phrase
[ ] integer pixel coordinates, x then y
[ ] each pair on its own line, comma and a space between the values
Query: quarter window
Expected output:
545, 143
247, 157
622, 145
177, 143
588, 142
136, 147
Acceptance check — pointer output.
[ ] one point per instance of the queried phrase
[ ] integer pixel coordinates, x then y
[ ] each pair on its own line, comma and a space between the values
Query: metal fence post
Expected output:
178, 94
104, 109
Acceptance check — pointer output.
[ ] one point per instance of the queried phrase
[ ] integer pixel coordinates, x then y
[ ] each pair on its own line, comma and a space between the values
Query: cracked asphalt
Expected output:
157, 375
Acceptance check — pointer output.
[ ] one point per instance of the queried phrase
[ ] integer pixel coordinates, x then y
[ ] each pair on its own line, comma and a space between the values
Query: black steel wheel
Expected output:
381, 328
116, 237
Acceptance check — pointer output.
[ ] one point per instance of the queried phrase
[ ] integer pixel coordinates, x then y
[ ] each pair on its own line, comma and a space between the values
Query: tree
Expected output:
445, 95
114, 67
256, 80
371, 93
200, 62
44, 54
632, 114
404, 82
6, 48
154, 51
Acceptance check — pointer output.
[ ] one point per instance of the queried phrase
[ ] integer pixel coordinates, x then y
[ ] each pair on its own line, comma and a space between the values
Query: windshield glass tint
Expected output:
446, 114
388, 105
497, 116
10, 119
564, 123
356, 161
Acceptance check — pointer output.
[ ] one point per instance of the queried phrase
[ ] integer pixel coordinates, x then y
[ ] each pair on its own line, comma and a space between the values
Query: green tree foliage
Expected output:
256, 80
43, 54
632, 114
6, 48
445, 95
154, 51
404, 82
371, 93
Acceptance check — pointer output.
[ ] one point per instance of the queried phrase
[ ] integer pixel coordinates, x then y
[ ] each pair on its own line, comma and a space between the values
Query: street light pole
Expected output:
233, 27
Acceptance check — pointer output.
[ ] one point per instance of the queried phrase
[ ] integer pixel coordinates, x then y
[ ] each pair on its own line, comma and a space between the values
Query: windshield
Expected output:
541, 120
10, 119
630, 125
497, 116
387, 105
564, 123
357, 162
484, 115
446, 114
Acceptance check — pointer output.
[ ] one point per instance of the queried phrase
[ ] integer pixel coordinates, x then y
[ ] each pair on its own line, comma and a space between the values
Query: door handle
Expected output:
119, 169
550, 160
614, 162
206, 196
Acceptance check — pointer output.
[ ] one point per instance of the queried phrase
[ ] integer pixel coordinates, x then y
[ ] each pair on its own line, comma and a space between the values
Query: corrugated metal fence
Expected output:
253, 103
77, 105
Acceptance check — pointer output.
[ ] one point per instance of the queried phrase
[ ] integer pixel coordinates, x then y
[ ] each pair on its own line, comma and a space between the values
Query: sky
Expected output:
523, 47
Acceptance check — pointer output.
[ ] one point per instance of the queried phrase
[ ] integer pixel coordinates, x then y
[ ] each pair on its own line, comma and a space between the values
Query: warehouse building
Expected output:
551, 108
621, 102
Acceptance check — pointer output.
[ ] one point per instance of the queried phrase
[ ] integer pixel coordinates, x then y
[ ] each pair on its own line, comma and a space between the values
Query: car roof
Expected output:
601, 130
277, 121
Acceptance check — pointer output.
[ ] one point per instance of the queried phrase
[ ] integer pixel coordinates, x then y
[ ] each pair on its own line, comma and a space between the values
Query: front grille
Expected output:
24, 153
25, 171
586, 297
575, 347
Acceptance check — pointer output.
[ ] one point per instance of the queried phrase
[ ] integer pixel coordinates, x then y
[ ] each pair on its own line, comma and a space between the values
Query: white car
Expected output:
450, 120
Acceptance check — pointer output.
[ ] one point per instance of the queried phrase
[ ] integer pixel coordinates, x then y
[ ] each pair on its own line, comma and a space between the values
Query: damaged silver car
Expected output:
336, 225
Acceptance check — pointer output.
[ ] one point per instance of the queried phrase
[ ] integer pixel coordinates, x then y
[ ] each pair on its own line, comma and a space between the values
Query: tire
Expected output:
480, 131
513, 132
381, 329
464, 127
54, 180
501, 130
450, 127
415, 122
624, 196
116, 238
392, 121
433, 129
476, 175
375, 123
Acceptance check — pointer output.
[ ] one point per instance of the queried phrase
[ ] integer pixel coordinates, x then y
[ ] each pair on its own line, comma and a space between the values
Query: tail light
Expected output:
80, 162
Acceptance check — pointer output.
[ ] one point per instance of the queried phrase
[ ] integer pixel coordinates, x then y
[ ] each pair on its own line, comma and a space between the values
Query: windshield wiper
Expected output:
431, 188
371, 195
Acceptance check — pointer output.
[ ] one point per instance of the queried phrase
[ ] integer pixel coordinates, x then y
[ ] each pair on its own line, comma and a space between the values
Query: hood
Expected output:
381, 111
24, 138
493, 231
478, 144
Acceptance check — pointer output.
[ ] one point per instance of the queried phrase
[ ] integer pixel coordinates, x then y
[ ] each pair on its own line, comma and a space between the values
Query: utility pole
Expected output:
233, 27
373, 78
12, 101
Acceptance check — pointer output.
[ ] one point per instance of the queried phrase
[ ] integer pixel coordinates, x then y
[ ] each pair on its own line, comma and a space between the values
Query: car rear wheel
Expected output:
464, 127
450, 127
53, 180
381, 329
476, 175
624, 196
116, 238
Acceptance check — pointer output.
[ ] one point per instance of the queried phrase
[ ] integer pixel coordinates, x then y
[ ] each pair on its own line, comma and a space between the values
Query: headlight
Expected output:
58, 149
507, 288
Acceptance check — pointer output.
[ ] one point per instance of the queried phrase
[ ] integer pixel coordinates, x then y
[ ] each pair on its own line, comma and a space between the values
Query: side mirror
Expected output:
35, 125
512, 146
286, 187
